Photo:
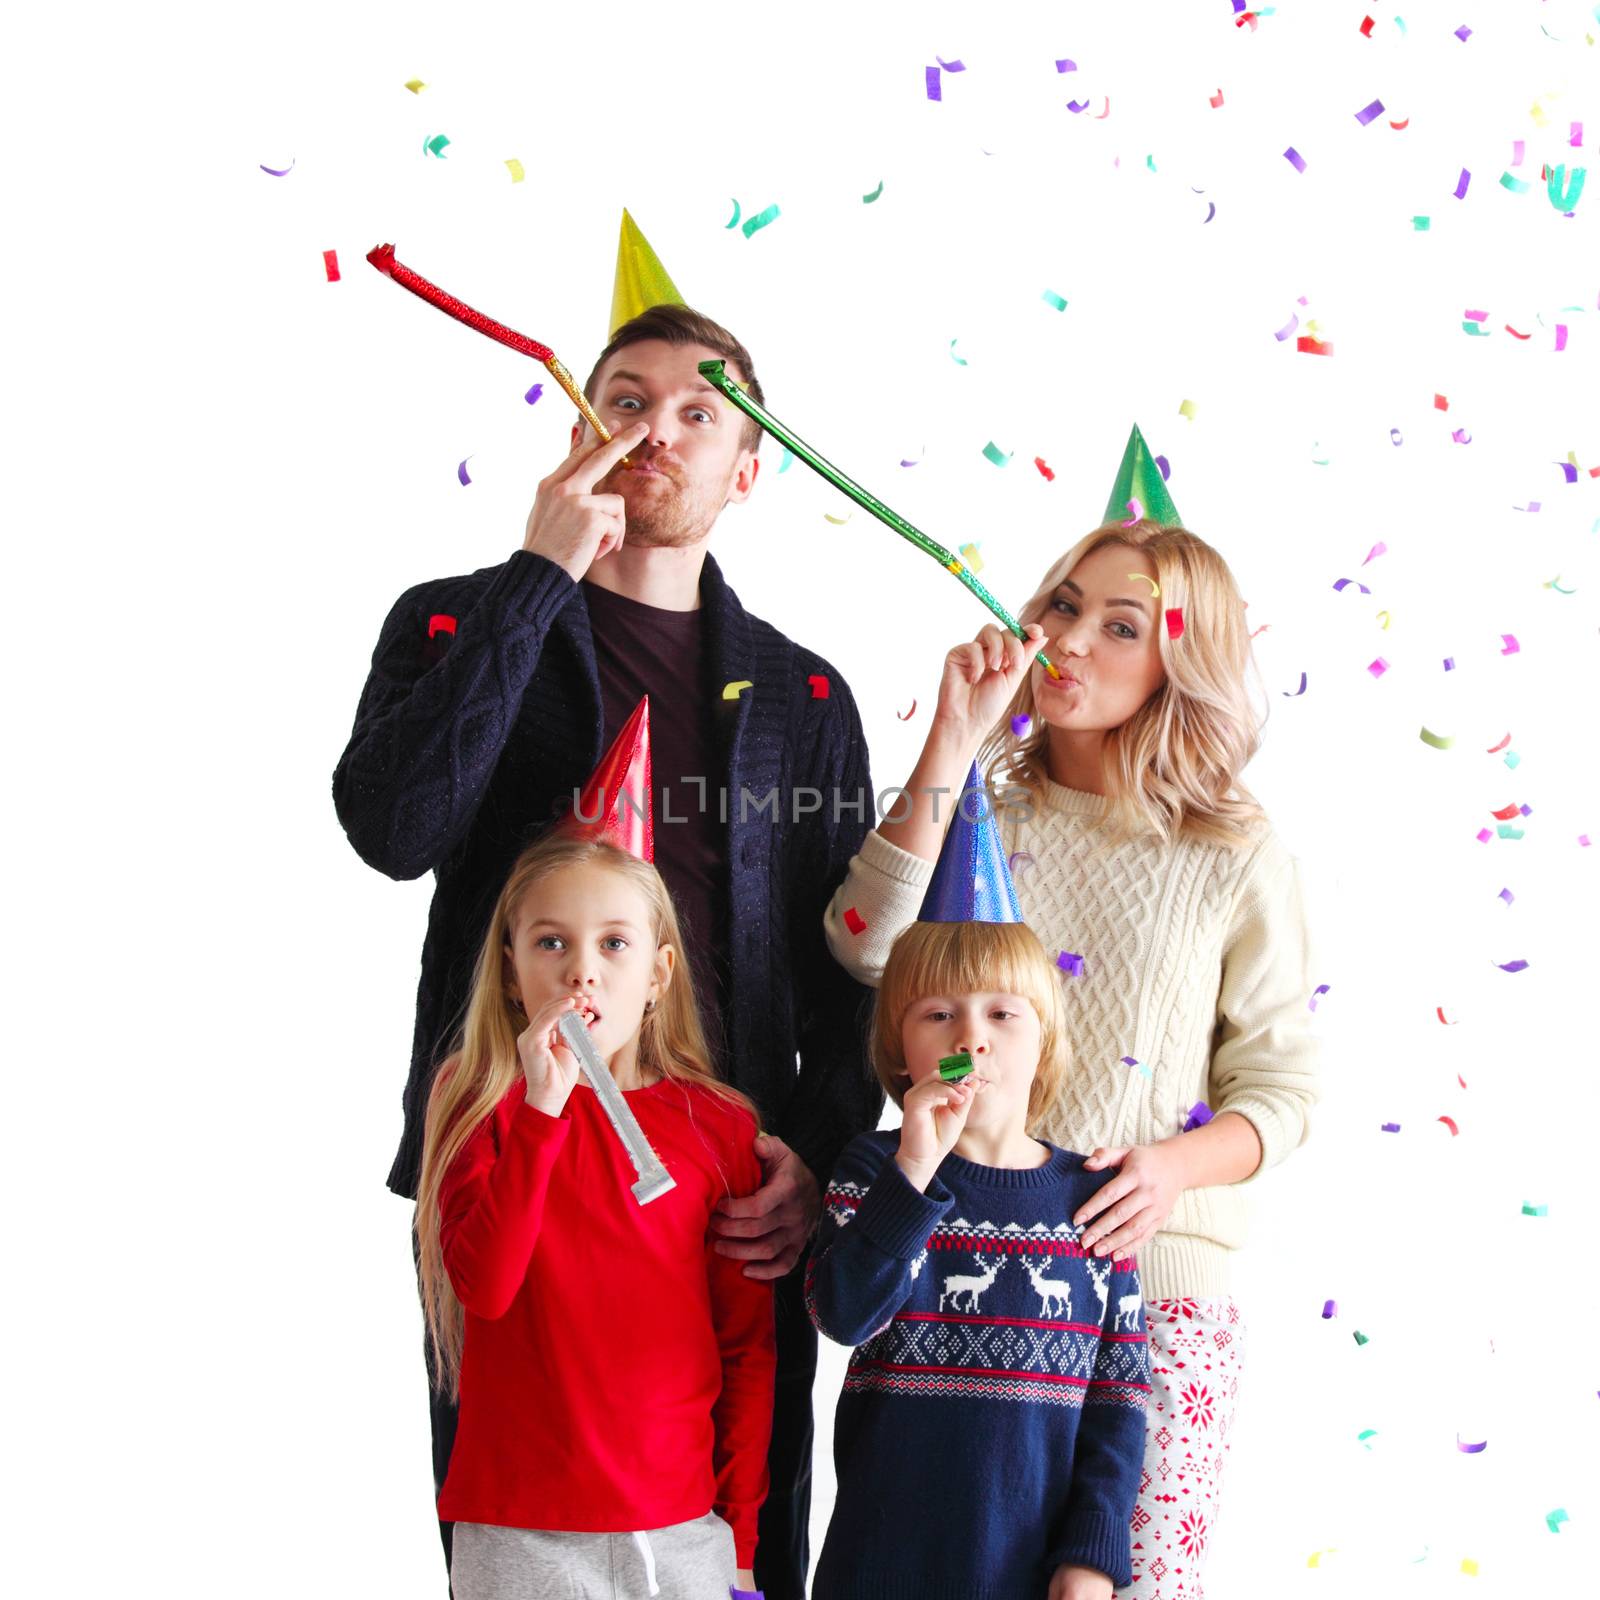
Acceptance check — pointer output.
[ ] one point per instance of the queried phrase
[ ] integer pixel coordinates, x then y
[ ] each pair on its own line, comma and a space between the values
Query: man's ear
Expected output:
744, 477
577, 435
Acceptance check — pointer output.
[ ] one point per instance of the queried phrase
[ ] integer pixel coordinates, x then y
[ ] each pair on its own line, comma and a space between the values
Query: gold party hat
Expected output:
642, 281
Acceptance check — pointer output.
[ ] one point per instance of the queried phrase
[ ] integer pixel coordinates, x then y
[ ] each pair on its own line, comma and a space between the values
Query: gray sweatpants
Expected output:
688, 1561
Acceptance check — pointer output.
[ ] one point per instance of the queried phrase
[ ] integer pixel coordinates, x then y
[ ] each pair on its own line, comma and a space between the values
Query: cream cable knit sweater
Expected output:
1196, 964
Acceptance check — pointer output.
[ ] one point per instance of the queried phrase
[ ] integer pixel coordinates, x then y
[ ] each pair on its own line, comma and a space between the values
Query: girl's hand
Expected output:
932, 1117
1135, 1205
980, 678
550, 1068
1080, 1583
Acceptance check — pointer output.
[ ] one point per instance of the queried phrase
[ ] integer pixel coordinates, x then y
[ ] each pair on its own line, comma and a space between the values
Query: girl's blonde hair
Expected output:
484, 1063
1173, 767
957, 958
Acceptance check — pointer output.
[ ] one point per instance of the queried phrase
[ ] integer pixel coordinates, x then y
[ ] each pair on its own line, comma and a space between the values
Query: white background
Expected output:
224, 469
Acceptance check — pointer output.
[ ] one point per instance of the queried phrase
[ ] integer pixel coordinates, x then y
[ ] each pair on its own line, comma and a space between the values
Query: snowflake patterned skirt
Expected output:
1195, 1352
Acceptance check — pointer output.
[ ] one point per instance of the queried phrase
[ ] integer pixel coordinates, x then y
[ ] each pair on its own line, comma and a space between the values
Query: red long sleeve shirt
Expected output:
617, 1372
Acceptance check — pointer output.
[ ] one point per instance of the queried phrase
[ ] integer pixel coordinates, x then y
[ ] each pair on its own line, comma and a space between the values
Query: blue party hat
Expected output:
971, 882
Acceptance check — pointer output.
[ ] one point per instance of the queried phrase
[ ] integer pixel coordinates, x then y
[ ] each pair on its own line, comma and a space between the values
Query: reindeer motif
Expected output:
1051, 1291
1128, 1306
1100, 1271
957, 1287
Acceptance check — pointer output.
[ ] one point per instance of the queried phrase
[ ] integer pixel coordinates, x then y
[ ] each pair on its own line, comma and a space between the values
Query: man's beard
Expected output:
668, 515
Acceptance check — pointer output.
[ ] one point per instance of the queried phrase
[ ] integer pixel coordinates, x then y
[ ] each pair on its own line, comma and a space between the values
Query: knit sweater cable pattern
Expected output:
1197, 966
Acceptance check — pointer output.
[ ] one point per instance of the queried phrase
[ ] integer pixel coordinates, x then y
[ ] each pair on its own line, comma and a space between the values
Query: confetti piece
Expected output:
1216, 100
952, 1069
1288, 328
1070, 963
951, 66
1438, 1011
415, 85
1526, 811
1017, 859
1298, 692
1554, 1519
1511, 645
1507, 896
1054, 299
1295, 159
1330, 1309
1135, 513
1309, 346
974, 561
1360, 1338
1366, 27
1564, 196
931, 78
1463, 33
1555, 583
1439, 741
853, 920
1045, 472
1468, 1565
1365, 1434
1561, 336
819, 685
867, 199
1379, 549
1383, 620
532, 396
443, 622
279, 172
908, 715
461, 472
953, 356
1507, 812
838, 522
1515, 184
1401, 126
1322, 989
1535, 1211
1475, 330
1131, 1061
517, 172
1449, 663
760, 220
1471, 1449
1165, 468
787, 459
1515, 335
1421, 224
1516, 152
1378, 668
1341, 584
1506, 831
1390, 1127
1187, 409
1141, 577
435, 146
1461, 184
1484, 836
1370, 113
1450, 1123
1199, 1115
1583, 839
1020, 725
1066, 66
1512, 966
735, 688
330, 265
1076, 106
738, 211
1175, 622
1513, 760
996, 454
1461, 436
1395, 437
1100, 116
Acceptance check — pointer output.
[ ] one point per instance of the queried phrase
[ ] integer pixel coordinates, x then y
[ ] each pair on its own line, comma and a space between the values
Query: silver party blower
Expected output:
654, 1179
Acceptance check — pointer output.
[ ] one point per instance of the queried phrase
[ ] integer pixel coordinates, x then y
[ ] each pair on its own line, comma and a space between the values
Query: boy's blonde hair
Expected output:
957, 958
484, 1063
1172, 769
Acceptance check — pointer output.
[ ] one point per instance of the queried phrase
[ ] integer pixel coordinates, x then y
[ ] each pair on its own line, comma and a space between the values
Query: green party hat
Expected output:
642, 281
1139, 478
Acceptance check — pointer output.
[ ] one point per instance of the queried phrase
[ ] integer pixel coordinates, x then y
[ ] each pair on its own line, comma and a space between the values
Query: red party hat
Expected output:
615, 803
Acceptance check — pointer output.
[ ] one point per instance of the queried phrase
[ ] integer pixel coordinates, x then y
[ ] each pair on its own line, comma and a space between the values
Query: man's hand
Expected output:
569, 524
1079, 1583
769, 1229
1131, 1209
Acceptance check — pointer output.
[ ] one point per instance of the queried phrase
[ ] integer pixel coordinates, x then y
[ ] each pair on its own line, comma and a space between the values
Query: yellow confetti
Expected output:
1155, 588
732, 691
1469, 1566
838, 522
969, 554
1439, 741
1383, 620
1187, 410
1317, 1555
416, 85
517, 174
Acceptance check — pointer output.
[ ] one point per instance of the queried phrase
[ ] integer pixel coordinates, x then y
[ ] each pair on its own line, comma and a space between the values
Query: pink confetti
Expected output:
1379, 549
1378, 667
1461, 436
1516, 152
1561, 336
1484, 835
1476, 316
1135, 513
1511, 645
1576, 141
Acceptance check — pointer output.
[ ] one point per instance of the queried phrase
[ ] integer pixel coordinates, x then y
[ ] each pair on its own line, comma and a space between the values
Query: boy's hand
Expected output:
1080, 1583
932, 1116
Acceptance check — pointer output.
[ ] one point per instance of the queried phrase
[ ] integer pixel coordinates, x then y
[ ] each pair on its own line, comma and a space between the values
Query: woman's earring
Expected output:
649, 1006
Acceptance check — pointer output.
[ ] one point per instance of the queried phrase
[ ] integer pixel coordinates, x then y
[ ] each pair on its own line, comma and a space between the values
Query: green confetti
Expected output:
867, 199
1150, 161
1506, 831
1476, 329
1535, 1211
1054, 299
1554, 1519
436, 144
959, 361
996, 454
760, 220
1513, 760
1365, 1434
788, 456
1361, 1338
1421, 224
1514, 184
733, 221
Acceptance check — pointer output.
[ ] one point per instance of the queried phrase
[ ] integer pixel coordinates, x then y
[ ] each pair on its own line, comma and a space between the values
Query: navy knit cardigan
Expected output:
467, 746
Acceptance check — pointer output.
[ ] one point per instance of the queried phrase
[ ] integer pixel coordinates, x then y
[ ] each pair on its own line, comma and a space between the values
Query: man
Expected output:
469, 743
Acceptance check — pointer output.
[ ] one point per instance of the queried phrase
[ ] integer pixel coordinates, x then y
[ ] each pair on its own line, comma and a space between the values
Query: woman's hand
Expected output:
1080, 1583
1135, 1205
932, 1116
981, 677
548, 1066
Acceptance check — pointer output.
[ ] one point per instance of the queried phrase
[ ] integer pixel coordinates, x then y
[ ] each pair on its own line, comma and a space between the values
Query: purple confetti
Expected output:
1075, 106
951, 66
1518, 147
1330, 1309
1019, 725
1471, 1449
1527, 811
1449, 663
1532, 505
1461, 184
1343, 581
1512, 966
1199, 1115
935, 92
1463, 33
1367, 113
1066, 66
1295, 694
532, 396
1165, 466
461, 471
1391, 1127
1568, 470
1071, 964
1507, 896
1378, 668
1322, 989
1395, 437
1288, 328
1461, 436
1295, 159
283, 172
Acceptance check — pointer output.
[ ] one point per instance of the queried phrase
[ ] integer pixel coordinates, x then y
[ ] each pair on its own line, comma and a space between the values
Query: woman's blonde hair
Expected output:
484, 1063
1173, 767
957, 958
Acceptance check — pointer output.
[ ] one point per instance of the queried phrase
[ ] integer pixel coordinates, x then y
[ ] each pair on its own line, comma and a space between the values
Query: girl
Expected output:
615, 1374
1177, 915
991, 1430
